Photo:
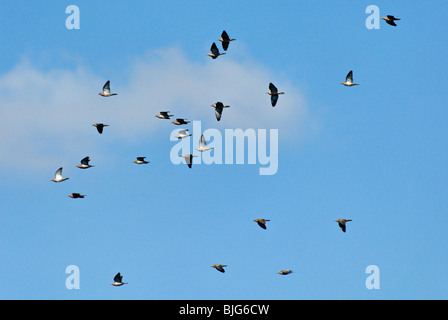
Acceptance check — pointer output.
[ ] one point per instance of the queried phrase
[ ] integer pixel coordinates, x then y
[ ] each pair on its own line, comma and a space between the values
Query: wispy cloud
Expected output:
47, 114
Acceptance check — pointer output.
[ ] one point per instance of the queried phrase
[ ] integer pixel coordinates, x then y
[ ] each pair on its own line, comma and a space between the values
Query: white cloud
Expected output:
46, 116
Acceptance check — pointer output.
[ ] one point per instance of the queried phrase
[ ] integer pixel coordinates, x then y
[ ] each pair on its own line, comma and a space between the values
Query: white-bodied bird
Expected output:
188, 159
183, 134
203, 145
106, 90
58, 176
349, 80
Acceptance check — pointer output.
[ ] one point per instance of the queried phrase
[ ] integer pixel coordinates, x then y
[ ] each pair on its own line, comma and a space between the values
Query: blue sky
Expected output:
374, 153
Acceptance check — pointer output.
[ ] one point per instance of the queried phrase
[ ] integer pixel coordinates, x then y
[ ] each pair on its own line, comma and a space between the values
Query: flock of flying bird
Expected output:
219, 107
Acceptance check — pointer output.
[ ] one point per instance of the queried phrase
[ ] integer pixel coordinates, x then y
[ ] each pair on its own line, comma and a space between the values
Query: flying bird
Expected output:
219, 267
202, 144
390, 20
274, 94
183, 134
118, 280
180, 121
219, 106
188, 159
284, 272
58, 176
106, 90
261, 222
75, 195
215, 51
349, 80
341, 223
164, 115
84, 163
141, 160
225, 39
100, 126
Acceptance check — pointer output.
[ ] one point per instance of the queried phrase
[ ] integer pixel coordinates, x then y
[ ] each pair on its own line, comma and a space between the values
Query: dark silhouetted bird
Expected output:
215, 52
284, 272
390, 20
75, 195
274, 94
219, 106
84, 163
225, 40
219, 267
342, 222
141, 160
118, 280
164, 115
261, 222
100, 126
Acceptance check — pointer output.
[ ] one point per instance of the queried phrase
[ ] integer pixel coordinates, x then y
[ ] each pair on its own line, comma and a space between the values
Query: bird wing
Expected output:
214, 49
391, 23
274, 99
99, 127
349, 77
106, 87
225, 45
225, 36
219, 105
58, 173
188, 160
273, 88
202, 142
118, 277
342, 226
218, 113
220, 268
85, 161
141, 158
183, 132
261, 224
